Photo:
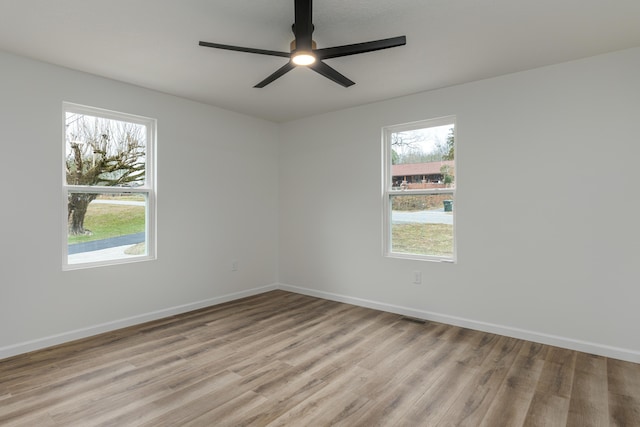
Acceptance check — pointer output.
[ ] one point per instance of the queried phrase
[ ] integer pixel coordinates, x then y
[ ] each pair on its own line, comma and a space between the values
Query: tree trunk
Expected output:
77, 209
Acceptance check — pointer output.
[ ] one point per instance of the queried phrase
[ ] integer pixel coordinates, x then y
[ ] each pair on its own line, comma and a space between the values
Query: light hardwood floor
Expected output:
283, 359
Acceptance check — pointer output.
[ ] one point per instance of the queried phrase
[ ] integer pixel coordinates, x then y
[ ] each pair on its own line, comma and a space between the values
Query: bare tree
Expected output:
450, 154
408, 147
407, 140
100, 152
404, 142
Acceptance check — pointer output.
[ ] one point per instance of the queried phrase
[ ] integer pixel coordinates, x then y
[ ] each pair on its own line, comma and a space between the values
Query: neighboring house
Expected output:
421, 175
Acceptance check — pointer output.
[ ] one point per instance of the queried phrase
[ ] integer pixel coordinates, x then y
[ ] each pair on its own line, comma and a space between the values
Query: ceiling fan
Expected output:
304, 52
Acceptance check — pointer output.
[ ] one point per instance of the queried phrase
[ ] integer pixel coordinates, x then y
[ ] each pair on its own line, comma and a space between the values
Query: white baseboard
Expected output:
558, 341
568, 343
40, 343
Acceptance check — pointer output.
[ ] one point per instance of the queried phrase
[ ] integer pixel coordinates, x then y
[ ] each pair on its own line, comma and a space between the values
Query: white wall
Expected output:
548, 238
217, 201
547, 206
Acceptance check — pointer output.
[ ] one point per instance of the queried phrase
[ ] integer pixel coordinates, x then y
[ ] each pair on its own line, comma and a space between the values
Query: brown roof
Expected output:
408, 169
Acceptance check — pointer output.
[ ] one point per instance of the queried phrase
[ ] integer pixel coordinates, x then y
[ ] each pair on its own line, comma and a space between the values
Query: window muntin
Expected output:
109, 187
419, 190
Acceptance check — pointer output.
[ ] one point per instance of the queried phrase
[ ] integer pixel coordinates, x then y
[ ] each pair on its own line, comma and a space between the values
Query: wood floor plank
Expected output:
187, 405
558, 371
436, 400
330, 404
547, 410
391, 399
624, 398
589, 405
291, 394
40, 420
550, 403
147, 411
470, 406
408, 370
285, 359
226, 411
51, 394
510, 405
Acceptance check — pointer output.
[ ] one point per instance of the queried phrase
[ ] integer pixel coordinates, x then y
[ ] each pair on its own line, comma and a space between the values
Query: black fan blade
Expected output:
303, 27
322, 68
278, 73
245, 49
353, 49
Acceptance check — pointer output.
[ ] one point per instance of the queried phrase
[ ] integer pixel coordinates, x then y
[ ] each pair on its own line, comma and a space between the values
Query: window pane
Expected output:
105, 152
104, 227
422, 224
423, 158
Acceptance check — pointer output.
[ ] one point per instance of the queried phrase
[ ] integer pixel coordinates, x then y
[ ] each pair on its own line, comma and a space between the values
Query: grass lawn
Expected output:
423, 239
107, 220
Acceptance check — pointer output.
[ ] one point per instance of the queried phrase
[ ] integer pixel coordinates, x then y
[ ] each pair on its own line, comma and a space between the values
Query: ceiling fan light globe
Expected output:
303, 58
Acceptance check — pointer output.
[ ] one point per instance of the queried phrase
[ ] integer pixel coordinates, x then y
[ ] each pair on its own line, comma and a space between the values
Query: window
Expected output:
420, 190
108, 174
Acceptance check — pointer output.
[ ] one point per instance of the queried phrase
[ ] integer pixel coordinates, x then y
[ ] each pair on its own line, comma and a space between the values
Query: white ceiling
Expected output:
154, 44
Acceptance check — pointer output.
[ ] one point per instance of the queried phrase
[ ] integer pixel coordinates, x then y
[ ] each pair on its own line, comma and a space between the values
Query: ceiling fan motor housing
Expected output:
292, 45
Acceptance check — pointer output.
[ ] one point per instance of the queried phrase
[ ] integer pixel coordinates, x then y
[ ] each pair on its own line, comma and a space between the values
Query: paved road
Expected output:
424, 217
119, 202
96, 245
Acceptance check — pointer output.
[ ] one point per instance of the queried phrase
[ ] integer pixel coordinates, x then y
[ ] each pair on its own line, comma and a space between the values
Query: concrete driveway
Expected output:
437, 216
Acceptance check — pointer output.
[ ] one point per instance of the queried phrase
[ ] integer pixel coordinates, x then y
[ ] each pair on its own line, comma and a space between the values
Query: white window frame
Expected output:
388, 192
148, 189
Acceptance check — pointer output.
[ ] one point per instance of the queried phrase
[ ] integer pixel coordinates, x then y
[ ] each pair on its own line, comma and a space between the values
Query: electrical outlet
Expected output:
417, 277
234, 265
